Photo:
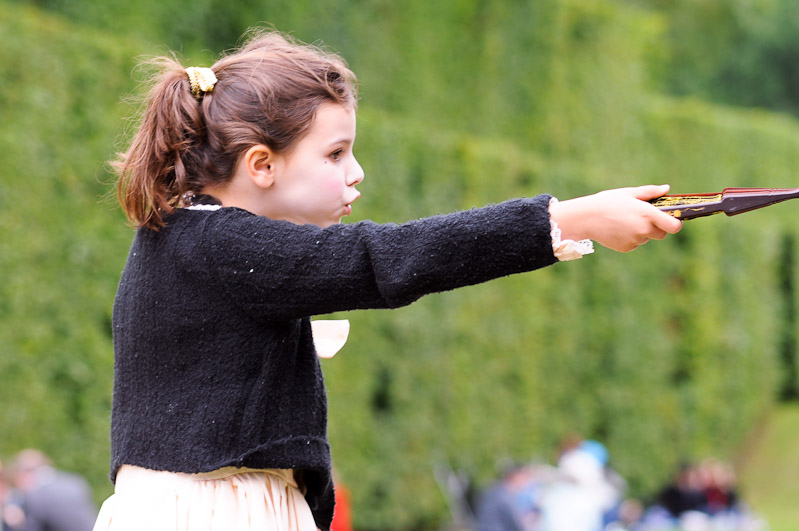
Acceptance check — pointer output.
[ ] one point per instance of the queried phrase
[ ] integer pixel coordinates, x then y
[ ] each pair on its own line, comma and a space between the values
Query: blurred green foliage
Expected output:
740, 52
668, 353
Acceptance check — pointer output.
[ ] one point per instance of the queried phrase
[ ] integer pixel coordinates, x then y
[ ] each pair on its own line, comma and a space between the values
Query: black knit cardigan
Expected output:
214, 360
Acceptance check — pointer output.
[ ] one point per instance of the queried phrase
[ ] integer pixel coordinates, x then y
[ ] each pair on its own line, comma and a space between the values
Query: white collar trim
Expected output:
204, 207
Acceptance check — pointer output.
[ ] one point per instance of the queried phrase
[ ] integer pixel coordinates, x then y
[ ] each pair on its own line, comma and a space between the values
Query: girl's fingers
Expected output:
660, 220
656, 234
650, 191
665, 222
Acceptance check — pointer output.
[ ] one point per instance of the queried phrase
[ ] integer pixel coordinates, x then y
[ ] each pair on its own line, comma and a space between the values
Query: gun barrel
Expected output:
732, 201
739, 200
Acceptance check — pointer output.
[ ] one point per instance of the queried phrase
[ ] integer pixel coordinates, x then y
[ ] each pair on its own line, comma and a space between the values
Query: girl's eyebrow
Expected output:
342, 140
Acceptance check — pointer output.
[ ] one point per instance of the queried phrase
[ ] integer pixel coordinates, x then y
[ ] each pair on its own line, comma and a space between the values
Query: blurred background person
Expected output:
685, 493
719, 486
52, 500
11, 516
505, 505
586, 495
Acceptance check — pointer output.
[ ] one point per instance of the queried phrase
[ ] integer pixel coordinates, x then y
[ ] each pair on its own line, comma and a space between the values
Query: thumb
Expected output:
650, 191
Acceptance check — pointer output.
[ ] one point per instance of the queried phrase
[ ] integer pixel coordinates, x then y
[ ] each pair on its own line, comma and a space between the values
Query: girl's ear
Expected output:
259, 162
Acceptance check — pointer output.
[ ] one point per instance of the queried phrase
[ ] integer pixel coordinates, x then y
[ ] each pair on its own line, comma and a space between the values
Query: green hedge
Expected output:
670, 352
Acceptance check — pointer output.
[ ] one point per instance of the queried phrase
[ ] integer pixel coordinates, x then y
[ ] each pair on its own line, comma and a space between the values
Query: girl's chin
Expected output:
326, 224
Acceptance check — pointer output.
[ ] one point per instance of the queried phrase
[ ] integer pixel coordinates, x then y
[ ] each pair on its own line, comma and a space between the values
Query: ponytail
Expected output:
152, 174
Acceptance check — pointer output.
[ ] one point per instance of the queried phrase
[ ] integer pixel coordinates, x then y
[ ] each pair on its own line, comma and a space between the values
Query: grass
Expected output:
769, 473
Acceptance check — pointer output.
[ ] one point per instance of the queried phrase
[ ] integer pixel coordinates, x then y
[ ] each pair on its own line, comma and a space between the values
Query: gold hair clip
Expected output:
202, 80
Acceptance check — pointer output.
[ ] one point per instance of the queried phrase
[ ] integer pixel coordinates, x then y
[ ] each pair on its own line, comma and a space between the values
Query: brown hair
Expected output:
267, 93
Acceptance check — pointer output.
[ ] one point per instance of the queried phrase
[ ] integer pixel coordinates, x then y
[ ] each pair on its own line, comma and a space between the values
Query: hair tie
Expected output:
202, 80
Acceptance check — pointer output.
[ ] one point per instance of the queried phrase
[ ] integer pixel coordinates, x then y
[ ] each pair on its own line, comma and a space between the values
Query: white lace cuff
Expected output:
567, 249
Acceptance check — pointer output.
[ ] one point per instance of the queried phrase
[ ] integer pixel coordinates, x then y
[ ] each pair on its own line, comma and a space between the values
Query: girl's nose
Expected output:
355, 175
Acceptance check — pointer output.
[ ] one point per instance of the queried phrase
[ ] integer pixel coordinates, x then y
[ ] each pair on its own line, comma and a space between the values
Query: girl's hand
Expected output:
619, 219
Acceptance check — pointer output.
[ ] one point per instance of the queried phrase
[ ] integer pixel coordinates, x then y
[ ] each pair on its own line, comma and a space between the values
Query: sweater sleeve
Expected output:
275, 269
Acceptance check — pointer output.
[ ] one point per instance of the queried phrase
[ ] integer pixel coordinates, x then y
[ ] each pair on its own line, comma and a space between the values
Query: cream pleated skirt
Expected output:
226, 499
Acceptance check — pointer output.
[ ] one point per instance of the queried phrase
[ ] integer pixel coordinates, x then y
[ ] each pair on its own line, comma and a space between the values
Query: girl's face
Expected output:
315, 181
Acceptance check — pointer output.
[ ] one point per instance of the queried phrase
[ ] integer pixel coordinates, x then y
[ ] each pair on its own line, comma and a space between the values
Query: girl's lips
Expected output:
348, 206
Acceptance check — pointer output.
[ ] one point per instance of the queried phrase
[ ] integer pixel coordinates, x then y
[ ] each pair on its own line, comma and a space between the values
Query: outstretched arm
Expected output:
278, 269
620, 219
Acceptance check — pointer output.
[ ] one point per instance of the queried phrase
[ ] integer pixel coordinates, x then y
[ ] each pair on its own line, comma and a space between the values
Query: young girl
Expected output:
237, 180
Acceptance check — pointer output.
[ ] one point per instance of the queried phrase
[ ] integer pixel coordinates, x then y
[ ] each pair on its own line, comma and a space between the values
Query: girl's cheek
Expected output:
332, 183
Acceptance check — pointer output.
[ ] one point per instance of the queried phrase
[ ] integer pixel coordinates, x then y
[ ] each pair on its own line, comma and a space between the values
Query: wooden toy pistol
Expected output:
731, 201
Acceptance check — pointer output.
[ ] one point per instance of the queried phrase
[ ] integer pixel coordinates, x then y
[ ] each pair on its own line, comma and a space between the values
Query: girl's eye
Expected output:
336, 155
